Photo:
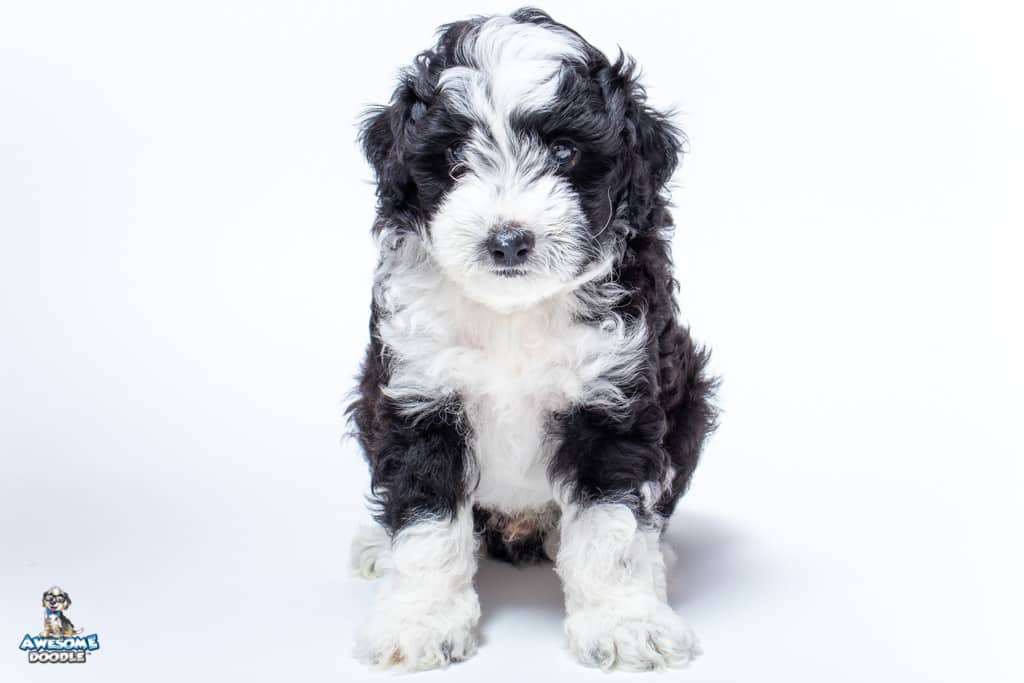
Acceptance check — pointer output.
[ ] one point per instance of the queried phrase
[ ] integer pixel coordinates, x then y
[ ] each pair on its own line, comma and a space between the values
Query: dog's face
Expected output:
56, 600
521, 156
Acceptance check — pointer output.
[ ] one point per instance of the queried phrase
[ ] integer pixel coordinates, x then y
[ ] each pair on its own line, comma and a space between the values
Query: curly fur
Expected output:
561, 402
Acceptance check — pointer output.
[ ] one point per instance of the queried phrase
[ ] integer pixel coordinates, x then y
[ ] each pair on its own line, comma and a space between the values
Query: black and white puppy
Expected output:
56, 624
527, 383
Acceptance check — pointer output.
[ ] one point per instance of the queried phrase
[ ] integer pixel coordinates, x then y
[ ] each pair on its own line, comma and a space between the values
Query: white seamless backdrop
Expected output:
185, 267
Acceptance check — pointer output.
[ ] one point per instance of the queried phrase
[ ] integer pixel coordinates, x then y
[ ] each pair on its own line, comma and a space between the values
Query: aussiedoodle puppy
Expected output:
56, 624
528, 387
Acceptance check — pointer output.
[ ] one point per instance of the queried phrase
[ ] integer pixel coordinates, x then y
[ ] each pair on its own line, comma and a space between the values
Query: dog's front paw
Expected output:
653, 640
417, 636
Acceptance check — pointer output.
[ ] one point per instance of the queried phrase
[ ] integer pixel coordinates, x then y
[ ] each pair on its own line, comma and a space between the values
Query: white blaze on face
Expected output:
514, 68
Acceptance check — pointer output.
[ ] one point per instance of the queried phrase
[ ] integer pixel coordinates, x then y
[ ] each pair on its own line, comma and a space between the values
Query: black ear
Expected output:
67, 600
384, 135
655, 146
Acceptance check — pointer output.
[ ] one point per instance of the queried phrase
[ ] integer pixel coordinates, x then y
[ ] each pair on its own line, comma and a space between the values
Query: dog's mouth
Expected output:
510, 272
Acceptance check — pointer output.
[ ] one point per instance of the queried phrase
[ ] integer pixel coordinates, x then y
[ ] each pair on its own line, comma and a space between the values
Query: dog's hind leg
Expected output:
371, 551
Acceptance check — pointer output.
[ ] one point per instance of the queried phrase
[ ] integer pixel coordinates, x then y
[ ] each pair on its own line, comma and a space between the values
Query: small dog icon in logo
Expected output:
56, 625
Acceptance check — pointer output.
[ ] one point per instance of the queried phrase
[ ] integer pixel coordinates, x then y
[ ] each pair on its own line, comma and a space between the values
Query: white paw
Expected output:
370, 555
607, 639
418, 636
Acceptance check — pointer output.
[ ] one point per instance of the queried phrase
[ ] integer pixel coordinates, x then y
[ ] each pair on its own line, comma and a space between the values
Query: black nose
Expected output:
510, 245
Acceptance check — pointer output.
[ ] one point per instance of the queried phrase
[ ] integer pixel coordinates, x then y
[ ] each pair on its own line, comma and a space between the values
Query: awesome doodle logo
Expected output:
59, 642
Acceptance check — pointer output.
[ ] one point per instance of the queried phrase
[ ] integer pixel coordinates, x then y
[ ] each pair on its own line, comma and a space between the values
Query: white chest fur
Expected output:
510, 370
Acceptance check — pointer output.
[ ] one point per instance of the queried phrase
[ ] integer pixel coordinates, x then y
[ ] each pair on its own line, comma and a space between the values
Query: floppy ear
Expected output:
655, 146
384, 136
44, 599
67, 601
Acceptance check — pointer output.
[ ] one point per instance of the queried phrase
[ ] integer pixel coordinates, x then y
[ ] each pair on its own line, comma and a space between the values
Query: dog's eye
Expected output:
456, 154
564, 153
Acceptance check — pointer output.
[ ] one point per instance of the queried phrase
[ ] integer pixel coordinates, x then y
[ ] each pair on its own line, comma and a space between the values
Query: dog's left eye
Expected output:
456, 153
564, 153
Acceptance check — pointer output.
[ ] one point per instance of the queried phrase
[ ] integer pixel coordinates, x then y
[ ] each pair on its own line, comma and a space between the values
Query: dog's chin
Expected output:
509, 290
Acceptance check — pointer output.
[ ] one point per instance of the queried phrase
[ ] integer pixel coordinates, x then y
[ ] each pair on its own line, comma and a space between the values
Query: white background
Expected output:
184, 278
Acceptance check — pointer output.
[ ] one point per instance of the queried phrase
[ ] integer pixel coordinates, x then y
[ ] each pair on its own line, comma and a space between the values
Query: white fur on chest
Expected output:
511, 371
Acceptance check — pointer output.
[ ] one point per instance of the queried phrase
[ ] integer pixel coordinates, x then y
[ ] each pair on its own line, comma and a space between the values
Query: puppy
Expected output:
527, 385
56, 625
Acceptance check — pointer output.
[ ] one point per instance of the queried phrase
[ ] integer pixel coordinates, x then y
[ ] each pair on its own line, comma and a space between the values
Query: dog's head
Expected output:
56, 600
521, 155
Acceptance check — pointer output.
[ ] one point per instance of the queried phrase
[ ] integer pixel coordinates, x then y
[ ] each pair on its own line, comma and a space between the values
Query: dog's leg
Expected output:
611, 471
427, 608
613, 573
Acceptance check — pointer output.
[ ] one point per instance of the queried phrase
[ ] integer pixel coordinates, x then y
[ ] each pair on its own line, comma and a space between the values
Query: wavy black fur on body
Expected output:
610, 457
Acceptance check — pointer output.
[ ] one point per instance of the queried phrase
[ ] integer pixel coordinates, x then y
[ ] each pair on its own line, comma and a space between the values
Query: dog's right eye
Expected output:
456, 155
